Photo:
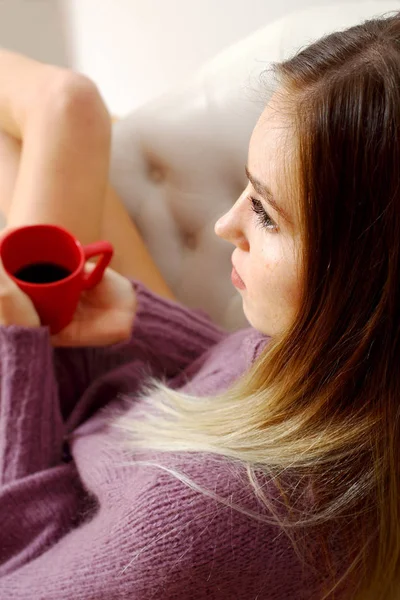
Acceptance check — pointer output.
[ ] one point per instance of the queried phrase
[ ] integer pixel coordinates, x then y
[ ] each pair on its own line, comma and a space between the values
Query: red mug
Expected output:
47, 262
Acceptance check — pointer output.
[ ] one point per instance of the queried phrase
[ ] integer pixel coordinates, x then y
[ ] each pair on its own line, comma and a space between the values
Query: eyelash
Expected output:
263, 217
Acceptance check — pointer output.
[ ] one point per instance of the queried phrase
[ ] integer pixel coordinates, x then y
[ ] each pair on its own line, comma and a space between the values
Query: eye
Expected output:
263, 217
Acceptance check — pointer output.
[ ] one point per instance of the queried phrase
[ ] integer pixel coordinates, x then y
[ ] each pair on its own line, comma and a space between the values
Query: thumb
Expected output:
6, 282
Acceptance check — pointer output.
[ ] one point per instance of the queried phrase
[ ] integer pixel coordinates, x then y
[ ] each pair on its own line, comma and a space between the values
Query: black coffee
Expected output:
43, 272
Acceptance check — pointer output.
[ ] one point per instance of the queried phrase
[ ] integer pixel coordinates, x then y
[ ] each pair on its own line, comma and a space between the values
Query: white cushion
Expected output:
178, 162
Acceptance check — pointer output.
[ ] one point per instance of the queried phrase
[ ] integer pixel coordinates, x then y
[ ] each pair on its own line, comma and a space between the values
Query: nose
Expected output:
231, 226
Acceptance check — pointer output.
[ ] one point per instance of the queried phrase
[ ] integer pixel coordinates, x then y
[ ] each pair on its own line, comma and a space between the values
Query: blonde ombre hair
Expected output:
322, 401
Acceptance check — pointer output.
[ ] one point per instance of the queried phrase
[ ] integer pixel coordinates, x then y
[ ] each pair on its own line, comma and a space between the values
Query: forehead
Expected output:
271, 157
270, 140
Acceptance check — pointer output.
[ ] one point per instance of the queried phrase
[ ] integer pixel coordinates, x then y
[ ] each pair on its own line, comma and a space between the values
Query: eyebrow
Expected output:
266, 193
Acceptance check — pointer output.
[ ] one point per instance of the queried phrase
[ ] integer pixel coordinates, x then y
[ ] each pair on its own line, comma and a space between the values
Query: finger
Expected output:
2, 269
6, 230
5, 280
104, 331
66, 337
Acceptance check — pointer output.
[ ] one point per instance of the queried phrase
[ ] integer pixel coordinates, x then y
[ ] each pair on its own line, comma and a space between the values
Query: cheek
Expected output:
291, 285
278, 271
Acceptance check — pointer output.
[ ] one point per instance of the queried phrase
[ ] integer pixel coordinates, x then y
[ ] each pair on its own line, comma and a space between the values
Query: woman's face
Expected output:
267, 243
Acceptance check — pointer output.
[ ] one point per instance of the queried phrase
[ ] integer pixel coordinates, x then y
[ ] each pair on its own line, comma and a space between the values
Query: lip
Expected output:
236, 279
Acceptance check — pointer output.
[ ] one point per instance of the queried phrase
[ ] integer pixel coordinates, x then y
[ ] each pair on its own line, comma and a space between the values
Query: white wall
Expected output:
137, 49
35, 28
134, 49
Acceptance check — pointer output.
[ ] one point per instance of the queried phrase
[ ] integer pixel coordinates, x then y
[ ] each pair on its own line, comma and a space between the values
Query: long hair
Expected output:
320, 407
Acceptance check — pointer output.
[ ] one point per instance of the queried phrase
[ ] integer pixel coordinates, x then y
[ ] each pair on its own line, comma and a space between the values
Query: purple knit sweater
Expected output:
86, 526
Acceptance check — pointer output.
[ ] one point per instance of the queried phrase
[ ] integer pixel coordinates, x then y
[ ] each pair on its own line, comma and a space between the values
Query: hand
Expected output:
104, 314
16, 308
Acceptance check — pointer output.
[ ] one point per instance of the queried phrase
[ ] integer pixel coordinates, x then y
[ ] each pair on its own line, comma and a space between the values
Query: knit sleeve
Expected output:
166, 335
39, 495
31, 428
166, 541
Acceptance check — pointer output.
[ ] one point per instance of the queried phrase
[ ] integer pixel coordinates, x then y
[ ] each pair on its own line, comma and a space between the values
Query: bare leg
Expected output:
131, 259
10, 151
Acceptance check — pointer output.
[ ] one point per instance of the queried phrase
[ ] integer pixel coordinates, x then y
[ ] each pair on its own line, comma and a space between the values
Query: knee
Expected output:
76, 98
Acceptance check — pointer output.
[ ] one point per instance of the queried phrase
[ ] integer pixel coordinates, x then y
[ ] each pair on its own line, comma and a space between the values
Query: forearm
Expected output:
66, 133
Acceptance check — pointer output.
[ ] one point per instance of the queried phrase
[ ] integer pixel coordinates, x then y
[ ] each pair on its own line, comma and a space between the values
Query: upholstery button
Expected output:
190, 240
156, 173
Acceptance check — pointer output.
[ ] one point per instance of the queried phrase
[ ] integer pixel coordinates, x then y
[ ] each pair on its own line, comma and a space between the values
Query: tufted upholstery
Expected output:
178, 162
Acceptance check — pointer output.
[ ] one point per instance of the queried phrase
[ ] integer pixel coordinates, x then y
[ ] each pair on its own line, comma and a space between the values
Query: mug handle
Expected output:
105, 249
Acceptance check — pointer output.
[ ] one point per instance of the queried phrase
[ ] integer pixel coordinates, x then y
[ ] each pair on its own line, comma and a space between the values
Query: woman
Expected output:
203, 464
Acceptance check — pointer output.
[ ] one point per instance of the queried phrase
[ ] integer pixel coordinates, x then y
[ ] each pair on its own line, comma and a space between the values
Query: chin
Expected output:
250, 319
255, 322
